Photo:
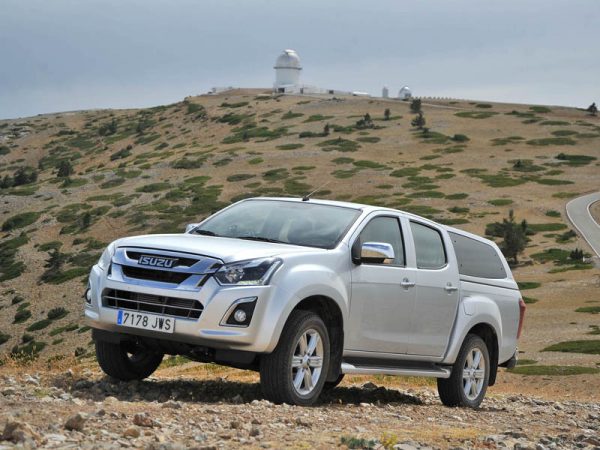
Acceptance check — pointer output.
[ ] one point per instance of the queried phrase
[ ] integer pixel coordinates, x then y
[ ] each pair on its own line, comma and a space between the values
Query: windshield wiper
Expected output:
206, 233
260, 238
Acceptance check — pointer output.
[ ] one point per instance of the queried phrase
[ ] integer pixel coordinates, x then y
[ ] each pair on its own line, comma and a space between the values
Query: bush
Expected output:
591, 347
22, 316
57, 313
4, 337
460, 138
39, 325
20, 220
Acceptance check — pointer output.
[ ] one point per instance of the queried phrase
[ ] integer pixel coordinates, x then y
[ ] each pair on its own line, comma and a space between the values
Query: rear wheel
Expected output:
126, 363
296, 370
468, 381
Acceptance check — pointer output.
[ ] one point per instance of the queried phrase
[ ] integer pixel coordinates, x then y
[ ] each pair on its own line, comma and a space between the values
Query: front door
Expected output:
383, 293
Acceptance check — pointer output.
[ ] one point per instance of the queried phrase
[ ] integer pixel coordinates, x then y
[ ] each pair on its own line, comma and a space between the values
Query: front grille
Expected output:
155, 275
185, 262
169, 306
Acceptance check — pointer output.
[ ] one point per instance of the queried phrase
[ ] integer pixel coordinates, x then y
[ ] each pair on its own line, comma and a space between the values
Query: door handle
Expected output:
450, 288
406, 283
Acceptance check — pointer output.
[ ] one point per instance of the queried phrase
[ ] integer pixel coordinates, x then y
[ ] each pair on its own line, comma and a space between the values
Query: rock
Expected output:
172, 404
19, 432
369, 386
131, 432
32, 380
238, 399
302, 422
143, 420
7, 392
75, 422
255, 431
235, 424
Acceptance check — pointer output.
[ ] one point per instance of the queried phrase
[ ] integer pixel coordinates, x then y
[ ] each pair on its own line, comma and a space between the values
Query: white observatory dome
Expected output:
404, 93
287, 70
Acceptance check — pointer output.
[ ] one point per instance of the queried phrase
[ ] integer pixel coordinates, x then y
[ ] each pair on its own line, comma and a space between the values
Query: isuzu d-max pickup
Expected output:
305, 291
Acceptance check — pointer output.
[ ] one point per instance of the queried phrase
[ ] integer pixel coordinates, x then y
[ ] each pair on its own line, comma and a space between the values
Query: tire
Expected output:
291, 374
468, 380
118, 362
329, 385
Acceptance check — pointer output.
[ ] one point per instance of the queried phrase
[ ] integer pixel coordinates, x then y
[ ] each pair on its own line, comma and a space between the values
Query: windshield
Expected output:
306, 224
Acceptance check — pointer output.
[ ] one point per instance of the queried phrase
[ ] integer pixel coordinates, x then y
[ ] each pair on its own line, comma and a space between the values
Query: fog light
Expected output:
240, 316
240, 312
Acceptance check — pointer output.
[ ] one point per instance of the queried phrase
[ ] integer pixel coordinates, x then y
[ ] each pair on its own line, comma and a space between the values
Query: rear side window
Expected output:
476, 258
429, 247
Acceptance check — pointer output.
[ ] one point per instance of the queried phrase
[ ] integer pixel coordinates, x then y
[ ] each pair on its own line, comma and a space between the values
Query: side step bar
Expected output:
438, 372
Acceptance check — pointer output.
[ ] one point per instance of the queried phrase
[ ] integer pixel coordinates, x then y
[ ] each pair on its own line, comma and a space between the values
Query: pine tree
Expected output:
65, 168
419, 121
386, 114
415, 105
593, 109
514, 237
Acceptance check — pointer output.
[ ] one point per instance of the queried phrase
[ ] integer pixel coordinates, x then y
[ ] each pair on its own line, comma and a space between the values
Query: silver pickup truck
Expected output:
305, 291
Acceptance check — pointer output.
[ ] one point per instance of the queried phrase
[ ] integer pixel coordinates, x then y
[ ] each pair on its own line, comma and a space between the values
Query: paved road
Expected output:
578, 211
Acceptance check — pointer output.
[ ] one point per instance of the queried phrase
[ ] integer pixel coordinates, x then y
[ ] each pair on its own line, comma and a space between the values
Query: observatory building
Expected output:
404, 93
287, 72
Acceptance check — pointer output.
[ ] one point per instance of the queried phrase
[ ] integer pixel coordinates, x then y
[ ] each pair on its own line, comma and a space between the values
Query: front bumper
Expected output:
207, 330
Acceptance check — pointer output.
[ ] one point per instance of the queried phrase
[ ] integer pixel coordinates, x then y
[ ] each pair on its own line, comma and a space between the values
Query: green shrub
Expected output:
552, 141
114, 182
529, 300
22, 316
405, 172
460, 138
4, 337
483, 105
154, 187
555, 123
575, 160
17, 299
59, 330
185, 163
458, 196
553, 370
275, 174
240, 177
545, 227
9, 267
57, 313
234, 105
368, 139
475, 114
20, 220
552, 181
364, 163
39, 325
500, 202
291, 115
28, 351
591, 347
339, 144
562, 133
540, 109
317, 118
289, 146
553, 213
525, 285
589, 309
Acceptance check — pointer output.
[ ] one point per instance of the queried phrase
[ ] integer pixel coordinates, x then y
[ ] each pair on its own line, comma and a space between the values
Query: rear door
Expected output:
383, 293
437, 290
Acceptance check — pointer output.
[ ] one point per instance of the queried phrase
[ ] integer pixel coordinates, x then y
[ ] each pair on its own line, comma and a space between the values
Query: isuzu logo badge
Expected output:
156, 261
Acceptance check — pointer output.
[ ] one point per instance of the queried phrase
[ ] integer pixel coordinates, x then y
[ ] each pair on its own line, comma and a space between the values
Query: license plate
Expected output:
145, 321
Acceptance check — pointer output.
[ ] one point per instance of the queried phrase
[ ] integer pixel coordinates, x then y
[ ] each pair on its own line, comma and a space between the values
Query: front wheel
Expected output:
468, 381
297, 369
126, 364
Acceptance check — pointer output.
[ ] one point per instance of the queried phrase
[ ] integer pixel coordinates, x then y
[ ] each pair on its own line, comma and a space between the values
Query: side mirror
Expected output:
377, 252
190, 226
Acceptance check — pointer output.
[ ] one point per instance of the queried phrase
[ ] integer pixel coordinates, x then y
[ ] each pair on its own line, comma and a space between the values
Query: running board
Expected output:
437, 372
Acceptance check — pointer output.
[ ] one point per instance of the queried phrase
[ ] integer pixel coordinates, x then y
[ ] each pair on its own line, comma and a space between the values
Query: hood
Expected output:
225, 249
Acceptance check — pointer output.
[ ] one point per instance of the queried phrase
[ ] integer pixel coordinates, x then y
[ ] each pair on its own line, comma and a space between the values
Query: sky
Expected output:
63, 55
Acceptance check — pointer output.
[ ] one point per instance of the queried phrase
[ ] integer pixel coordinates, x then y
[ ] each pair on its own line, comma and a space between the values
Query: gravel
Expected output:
88, 411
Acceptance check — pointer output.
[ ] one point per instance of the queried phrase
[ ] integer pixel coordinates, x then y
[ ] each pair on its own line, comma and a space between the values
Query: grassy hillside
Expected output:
72, 182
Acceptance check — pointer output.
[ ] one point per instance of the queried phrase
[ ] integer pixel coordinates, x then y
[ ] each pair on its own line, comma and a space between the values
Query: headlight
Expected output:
256, 272
105, 259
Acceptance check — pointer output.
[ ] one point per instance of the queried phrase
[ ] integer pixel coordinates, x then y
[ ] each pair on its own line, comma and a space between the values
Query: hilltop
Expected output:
72, 182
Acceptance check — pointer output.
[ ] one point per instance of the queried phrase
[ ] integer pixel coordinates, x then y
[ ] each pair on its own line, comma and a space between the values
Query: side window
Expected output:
387, 230
476, 258
429, 246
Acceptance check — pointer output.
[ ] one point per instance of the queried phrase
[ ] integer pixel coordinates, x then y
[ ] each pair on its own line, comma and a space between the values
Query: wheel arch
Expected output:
487, 332
331, 313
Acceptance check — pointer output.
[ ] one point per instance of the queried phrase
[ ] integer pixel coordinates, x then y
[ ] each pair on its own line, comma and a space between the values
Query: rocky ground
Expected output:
81, 409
